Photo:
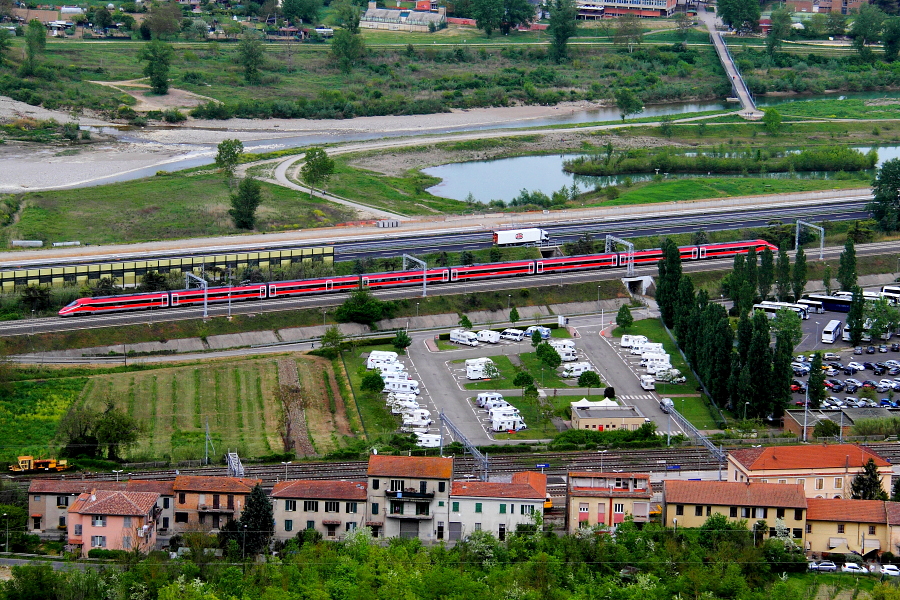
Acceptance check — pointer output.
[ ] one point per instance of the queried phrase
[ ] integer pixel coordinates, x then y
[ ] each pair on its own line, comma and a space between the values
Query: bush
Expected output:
109, 554
174, 116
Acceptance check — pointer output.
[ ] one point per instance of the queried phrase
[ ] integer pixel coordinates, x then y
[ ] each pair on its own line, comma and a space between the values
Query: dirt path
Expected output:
147, 101
296, 435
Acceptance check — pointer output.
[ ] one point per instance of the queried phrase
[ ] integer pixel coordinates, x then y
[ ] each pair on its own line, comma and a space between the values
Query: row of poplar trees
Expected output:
751, 375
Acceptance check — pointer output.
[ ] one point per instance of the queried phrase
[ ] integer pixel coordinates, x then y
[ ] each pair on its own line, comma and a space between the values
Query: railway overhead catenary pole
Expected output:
821, 230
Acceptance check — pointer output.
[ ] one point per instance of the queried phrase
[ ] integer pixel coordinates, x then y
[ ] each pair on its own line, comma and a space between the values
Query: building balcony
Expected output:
409, 517
206, 508
411, 495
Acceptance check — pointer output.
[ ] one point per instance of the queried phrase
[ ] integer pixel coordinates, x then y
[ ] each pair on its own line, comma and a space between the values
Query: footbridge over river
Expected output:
739, 88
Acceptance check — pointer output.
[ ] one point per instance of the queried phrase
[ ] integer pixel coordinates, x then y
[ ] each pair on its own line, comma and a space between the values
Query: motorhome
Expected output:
653, 367
648, 347
515, 335
478, 371
391, 366
394, 376
417, 414
630, 340
492, 404
508, 424
478, 362
576, 369
545, 332
503, 411
398, 408
562, 345
483, 397
428, 440
648, 382
401, 397
489, 336
648, 356
410, 386
382, 354
461, 336
415, 426
567, 355
670, 376
666, 405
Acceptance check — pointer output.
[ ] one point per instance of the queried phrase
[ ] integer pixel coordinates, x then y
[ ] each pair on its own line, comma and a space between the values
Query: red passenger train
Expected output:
304, 287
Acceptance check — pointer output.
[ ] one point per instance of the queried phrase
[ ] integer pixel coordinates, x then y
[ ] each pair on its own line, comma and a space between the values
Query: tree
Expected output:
401, 340
466, 258
305, 10
35, 42
523, 380
347, 15
317, 168
513, 315
76, 432
772, 121
164, 19
229, 155
683, 23
624, 319
890, 38
257, 523
487, 14
765, 276
252, 56
464, 322
885, 205
548, 355
158, 56
836, 24
372, 381
782, 275
36, 297
867, 484
628, 32
826, 279
846, 274
515, 13
742, 15
536, 338
816, 384
759, 365
866, 29
787, 325
826, 429
244, 203
882, 316
102, 19
362, 307
116, 431
563, 25
5, 44
153, 281
332, 339
668, 280
782, 28
799, 279
856, 318
347, 48
628, 102
589, 379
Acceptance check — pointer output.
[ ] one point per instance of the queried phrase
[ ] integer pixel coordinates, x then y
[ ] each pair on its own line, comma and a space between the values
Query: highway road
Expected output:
51, 324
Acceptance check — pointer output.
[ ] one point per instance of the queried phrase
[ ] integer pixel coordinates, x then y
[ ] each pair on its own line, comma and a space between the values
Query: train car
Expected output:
730, 249
401, 278
194, 296
104, 304
492, 270
278, 289
577, 263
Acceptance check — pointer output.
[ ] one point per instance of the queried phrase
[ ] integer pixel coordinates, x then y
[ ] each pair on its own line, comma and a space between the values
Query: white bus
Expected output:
832, 332
812, 306
800, 309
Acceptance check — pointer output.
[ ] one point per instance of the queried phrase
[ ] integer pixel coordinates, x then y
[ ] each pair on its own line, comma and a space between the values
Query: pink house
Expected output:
113, 520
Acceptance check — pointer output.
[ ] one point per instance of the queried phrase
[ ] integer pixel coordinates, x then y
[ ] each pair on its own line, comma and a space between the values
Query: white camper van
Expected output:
489, 336
409, 386
483, 397
654, 367
648, 347
428, 440
401, 397
508, 424
648, 382
576, 369
670, 376
515, 335
394, 376
503, 411
545, 332
415, 426
461, 336
492, 404
478, 371
391, 367
567, 354
629, 340
562, 345
417, 414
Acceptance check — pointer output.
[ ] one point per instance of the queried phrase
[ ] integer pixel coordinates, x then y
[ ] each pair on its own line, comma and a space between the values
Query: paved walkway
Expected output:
748, 107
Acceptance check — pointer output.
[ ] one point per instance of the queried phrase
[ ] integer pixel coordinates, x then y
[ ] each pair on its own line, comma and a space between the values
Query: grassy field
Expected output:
30, 413
377, 419
239, 399
695, 407
170, 206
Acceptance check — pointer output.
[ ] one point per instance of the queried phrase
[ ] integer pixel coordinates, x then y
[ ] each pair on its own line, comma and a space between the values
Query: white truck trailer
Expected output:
521, 237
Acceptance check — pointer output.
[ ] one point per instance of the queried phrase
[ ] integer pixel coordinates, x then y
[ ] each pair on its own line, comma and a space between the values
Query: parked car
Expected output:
870, 349
858, 350
835, 401
832, 356
869, 384
831, 372
887, 402
856, 365
855, 402
836, 365
895, 347
836, 385
799, 384
883, 349
853, 568
893, 371
825, 565
891, 570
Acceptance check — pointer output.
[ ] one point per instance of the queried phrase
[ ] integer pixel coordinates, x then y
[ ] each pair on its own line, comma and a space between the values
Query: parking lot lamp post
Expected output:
117, 473
805, 413
745, 410
285, 469
508, 300
601, 453
816, 341
417, 309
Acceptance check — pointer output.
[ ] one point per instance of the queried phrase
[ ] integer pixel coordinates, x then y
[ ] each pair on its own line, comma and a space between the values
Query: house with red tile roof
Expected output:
206, 503
408, 496
49, 501
165, 504
691, 503
497, 507
824, 470
332, 508
113, 520
840, 526
606, 498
